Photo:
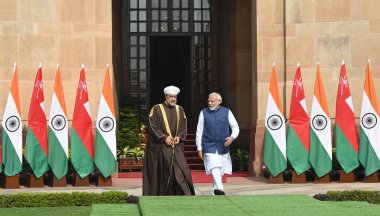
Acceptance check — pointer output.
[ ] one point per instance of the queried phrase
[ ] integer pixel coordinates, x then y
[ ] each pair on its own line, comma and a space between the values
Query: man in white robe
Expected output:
213, 139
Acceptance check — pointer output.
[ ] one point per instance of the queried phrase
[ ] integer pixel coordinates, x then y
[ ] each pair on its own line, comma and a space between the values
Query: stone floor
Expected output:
234, 186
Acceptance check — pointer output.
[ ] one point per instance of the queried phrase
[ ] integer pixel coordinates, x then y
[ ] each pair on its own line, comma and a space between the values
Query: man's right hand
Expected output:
169, 140
200, 154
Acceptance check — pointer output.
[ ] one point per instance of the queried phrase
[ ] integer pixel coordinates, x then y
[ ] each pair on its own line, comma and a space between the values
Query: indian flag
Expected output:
58, 131
12, 130
369, 153
105, 139
346, 137
82, 143
320, 134
37, 137
274, 137
297, 149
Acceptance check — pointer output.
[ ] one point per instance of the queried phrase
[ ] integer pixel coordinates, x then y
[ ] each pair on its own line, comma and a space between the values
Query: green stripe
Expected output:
35, 155
273, 157
296, 152
57, 156
319, 158
367, 155
80, 157
346, 155
12, 163
104, 158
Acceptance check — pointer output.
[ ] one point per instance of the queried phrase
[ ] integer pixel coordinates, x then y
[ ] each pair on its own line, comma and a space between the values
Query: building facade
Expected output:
227, 46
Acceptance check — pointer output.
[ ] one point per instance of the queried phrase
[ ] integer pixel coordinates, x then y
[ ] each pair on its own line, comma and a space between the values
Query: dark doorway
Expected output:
170, 63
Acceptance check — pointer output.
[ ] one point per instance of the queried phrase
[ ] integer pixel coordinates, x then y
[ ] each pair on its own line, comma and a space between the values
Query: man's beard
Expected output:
213, 108
171, 103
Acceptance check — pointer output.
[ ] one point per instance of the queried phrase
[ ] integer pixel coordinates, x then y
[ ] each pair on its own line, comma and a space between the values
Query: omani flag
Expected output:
37, 136
82, 143
346, 137
298, 140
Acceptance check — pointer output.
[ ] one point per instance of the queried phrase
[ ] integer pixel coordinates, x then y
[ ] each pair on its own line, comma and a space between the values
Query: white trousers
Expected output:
215, 160
217, 165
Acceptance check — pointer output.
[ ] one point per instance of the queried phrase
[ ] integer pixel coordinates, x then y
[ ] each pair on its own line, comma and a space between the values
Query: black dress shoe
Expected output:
218, 192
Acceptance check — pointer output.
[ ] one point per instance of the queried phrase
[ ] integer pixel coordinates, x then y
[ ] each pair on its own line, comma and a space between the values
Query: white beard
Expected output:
213, 108
171, 104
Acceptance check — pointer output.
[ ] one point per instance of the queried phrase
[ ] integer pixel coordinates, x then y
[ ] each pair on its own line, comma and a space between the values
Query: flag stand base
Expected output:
33, 182
298, 179
103, 181
373, 178
322, 180
346, 177
54, 182
9, 182
279, 179
81, 182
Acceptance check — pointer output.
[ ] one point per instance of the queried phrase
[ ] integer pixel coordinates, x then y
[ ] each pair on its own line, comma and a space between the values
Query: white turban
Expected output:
171, 90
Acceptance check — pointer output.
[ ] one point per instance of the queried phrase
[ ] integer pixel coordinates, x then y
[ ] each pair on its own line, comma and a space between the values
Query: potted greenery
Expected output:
136, 153
131, 158
130, 139
240, 159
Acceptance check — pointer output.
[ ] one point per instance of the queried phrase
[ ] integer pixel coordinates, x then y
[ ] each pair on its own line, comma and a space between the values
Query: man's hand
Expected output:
176, 140
169, 140
229, 140
200, 154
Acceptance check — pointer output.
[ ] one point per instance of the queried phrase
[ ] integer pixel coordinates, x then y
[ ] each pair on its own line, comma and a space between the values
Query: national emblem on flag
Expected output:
297, 149
369, 153
12, 130
58, 131
320, 134
346, 137
82, 143
274, 137
37, 136
105, 139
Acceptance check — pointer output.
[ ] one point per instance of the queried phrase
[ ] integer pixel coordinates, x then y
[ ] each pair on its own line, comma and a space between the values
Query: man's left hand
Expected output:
229, 140
176, 140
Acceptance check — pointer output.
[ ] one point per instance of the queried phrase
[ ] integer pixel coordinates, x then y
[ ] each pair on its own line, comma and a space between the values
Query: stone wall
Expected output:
65, 32
234, 69
312, 31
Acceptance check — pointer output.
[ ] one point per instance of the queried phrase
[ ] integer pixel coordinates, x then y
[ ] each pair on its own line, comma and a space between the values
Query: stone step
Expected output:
189, 142
190, 137
190, 147
191, 153
194, 160
196, 166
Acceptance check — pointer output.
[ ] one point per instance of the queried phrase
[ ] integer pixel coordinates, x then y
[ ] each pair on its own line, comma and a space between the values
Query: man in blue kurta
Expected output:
217, 129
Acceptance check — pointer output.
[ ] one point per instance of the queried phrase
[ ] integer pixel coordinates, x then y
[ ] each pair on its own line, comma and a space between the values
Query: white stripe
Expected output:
279, 134
349, 103
303, 104
373, 134
62, 135
16, 136
42, 105
109, 137
323, 135
87, 107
